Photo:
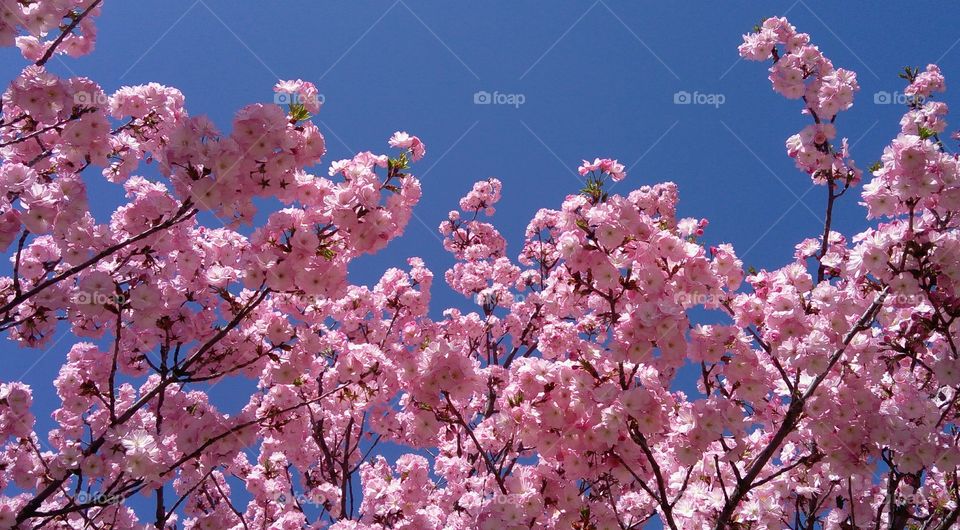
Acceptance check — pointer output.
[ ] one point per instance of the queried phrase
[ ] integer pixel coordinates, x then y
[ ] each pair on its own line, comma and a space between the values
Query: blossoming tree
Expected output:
828, 399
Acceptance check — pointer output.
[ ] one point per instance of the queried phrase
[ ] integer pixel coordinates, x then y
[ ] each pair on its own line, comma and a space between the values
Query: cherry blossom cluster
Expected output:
801, 71
827, 391
43, 27
605, 166
299, 92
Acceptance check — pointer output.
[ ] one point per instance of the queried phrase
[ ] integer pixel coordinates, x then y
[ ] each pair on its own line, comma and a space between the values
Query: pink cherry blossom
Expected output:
300, 92
825, 392
412, 143
926, 83
607, 166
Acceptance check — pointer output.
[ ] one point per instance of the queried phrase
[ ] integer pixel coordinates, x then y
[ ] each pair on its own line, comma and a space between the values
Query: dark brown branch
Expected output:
38, 132
185, 212
483, 454
66, 31
792, 417
30, 509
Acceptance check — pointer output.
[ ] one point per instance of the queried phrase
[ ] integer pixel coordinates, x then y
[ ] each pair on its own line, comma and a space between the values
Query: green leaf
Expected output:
298, 112
399, 163
909, 74
327, 253
759, 25
926, 133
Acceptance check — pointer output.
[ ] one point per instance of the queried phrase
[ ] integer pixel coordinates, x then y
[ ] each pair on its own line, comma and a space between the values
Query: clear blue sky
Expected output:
597, 79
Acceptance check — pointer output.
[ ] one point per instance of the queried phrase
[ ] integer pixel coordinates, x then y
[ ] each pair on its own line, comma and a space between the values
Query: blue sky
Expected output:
596, 79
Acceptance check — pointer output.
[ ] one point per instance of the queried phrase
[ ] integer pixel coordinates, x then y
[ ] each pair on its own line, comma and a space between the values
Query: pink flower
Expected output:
758, 46
412, 143
299, 92
926, 83
616, 170
563, 366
